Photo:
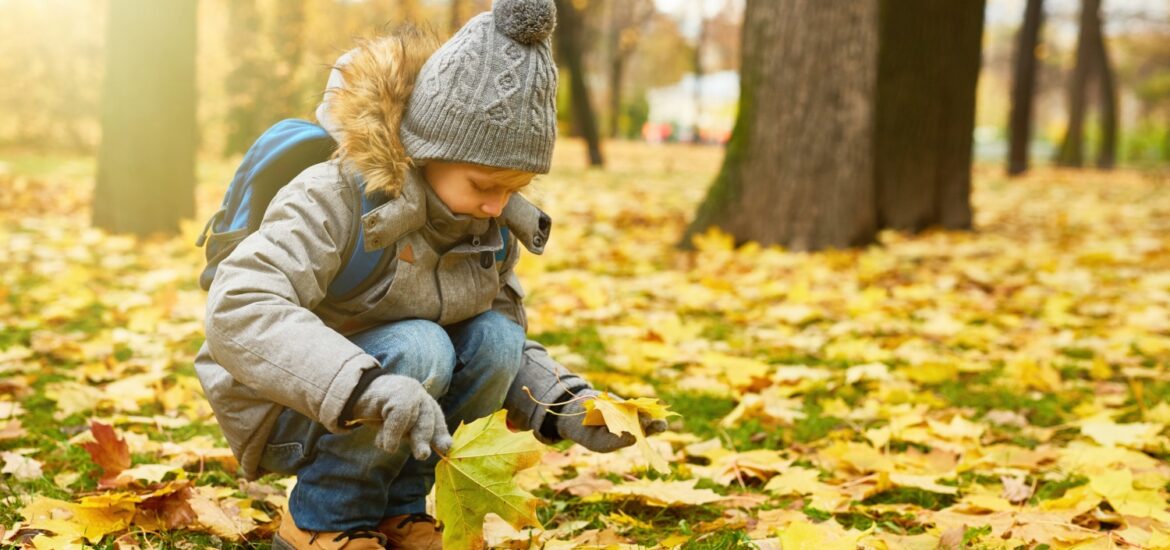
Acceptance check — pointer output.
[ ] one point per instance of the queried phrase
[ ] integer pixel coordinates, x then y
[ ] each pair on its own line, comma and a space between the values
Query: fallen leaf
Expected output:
476, 477
109, 452
221, 516
666, 493
21, 467
621, 417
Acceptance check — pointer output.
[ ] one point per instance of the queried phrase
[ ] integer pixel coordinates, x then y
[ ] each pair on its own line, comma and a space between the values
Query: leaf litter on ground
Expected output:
1004, 387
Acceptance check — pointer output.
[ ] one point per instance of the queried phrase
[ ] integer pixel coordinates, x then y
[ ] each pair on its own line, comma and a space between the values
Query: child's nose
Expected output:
493, 208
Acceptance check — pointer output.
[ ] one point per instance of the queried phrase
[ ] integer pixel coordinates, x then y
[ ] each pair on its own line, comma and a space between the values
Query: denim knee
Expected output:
491, 347
419, 349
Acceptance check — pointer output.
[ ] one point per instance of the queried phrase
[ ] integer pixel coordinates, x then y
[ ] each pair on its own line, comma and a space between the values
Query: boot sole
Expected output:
279, 544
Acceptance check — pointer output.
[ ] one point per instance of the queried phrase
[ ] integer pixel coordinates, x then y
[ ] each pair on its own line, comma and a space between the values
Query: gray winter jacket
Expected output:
276, 339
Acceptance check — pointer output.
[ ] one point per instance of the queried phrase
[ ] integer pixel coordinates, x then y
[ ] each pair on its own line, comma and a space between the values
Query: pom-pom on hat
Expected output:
525, 21
488, 96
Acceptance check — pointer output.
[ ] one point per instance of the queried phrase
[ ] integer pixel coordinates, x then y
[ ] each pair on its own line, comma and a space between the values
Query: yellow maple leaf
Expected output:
1116, 486
621, 417
1109, 433
803, 535
93, 519
666, 493
795, 481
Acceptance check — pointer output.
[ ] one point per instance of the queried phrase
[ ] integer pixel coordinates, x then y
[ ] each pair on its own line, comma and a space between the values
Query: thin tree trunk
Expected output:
1023, 88
146, 162
799, 170
289, 42
1072, 147
926, 112
569, 50
616, 73
1107, 154
700, 45
618, 14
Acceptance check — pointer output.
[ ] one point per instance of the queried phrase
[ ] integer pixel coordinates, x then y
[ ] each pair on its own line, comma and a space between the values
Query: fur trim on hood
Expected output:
364, 109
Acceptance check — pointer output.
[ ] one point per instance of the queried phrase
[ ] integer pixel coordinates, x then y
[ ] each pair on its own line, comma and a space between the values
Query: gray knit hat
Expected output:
488, 96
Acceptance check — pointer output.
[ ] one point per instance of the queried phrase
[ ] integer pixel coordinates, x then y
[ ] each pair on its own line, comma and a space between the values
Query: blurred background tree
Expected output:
146, 163
653, 70
1024, 87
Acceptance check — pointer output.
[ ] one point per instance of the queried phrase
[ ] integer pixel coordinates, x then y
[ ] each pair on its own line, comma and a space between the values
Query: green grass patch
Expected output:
701, 413
719, 540
1048, 490
1048, 409
889, 522
911, 495
584, 341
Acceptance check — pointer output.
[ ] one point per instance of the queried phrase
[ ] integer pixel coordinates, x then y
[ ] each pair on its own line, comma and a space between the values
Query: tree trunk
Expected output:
700, 45
617, 69
569, 50
1107, 154
1024, 88
619, 13
799, 167
1072, 147
245, 82
926, 112
146, 162
289, 42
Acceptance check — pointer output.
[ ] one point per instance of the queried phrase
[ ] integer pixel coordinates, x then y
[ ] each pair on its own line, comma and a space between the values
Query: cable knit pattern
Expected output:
486, 97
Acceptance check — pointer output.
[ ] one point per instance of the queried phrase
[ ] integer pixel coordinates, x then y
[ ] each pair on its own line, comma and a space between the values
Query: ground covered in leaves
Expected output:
1003, 388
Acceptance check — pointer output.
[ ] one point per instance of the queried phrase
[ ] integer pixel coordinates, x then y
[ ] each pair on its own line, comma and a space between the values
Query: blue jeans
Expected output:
344, 481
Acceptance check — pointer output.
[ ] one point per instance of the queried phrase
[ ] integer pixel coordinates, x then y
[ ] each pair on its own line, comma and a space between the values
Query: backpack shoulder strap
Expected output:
361, 266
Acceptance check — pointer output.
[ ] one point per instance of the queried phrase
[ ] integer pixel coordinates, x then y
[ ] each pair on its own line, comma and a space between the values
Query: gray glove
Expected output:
403, 407
599, 438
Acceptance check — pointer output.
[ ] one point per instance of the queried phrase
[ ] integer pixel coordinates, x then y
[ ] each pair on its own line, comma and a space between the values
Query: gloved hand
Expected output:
404, 407
599, 438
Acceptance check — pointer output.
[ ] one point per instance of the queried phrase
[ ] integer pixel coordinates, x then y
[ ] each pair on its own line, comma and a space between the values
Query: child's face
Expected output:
472, 189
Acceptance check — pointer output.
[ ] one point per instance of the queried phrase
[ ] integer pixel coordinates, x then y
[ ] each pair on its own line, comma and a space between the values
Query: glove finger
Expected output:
440, 438
650, 425
420, 435
395, 425
602, 441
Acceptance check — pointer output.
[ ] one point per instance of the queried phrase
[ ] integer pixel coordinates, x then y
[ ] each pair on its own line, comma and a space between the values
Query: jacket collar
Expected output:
390, 222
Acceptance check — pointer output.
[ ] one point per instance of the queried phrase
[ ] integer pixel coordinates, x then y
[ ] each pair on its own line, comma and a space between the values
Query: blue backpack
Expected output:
283, 151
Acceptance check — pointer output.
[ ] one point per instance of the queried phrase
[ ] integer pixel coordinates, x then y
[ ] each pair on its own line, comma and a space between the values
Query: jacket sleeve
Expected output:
546, 379
260, 323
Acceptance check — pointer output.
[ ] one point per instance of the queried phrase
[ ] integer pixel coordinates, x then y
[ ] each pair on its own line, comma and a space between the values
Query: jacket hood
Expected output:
364, 102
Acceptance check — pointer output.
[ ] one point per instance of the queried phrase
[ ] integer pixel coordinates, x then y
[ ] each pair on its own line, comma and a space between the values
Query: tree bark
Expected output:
245, 82
1071, 151
700, 45
798, 170
1107, 154
146, 162
1024, 88
569, 49
626, 20
926, 112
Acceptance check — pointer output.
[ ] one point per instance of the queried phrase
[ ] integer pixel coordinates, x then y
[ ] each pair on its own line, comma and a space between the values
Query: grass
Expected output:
985, 392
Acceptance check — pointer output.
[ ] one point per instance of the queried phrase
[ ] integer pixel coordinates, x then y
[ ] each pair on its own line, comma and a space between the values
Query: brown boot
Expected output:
290, 537
412, 532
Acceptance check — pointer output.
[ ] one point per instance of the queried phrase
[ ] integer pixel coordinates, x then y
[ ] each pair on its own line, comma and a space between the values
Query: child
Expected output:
438, 336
